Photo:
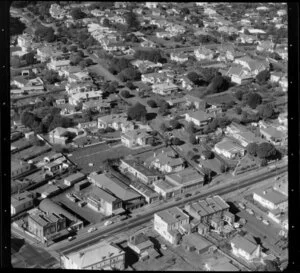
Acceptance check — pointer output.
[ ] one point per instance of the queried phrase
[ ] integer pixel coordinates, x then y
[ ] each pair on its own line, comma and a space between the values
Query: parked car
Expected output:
195, 150
266, 222
71, 238
164, 247
258, 217
250, 211
92, 229
107, 223
188, 195
242, 206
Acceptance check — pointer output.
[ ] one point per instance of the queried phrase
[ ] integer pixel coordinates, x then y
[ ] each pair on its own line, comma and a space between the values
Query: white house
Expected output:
199, 118
164, 88
203, 53
75, 99
168, 222
229, 149
243, 248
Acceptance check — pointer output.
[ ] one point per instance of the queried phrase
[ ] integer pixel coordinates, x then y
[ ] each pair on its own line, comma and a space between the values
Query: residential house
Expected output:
165, 34
113, 46
58, 135
19, 168
156, 12
241, 133
77, 98
203, 53
231, 55
20, 202
199, 118
25, 41
130, 198
239, 74
67, 109
73, 178
164, 89
209, 11
97, 12
57, 12
141, 244
168, 222
44, 53
46, 226
135, 138
186, 83
60, 102
273, 135
155, 78
177, 102
57, 65
282, 118
80, 87
270, 198
253, 66
99, 105
128, 126
179, 57
109, 120
148, 43
151, 5
276, 76
243, 248
138, 170
229, 149
101, 256
265, 46
282, 12
198, 103
174, 28
166, 161
246, 39
103, 201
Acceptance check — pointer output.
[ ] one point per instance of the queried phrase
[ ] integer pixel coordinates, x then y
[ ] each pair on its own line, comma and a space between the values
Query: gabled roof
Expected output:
244, 244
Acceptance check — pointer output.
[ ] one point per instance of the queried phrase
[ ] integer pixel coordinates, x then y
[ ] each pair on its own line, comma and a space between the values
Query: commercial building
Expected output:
104, 202
212, 211
270, 198
46, 226
101, 256
229, 149
74, 178
21, 202
168, 222
48, 206
130, 198
144, 174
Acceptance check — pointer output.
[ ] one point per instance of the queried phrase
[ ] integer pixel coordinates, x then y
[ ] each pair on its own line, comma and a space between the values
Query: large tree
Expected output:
252, 149
263, 76
265, 111
137, 112
132, 21
266, 150
77, 14
218, 84
252, 99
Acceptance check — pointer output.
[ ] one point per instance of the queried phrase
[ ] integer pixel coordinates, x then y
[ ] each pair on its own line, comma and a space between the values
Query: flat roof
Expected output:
75, 176
271, 195
244, 244
186, 176
94, 254
172, 215
98, 193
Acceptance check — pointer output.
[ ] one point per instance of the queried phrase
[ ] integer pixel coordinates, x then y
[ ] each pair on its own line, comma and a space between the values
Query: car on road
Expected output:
188, 195
258, 217
71, 238
250, 211
242, 205
107, 223
164, 247
92, 229
266, 222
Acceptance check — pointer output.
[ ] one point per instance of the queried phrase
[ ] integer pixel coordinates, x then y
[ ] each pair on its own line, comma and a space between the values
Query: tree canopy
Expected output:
218, 84
263, 76
153, 55
137, 112
132, 21
252, 149
252, 99
266, 150
77, 14
265, 111
45, 34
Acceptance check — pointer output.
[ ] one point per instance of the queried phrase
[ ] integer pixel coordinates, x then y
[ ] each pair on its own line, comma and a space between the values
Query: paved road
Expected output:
89, 239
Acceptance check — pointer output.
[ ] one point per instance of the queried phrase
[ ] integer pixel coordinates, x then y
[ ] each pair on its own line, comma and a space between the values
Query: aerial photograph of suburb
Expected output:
149, 136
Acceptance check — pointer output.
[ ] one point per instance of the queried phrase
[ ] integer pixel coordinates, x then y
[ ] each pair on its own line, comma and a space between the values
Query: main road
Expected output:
78, 243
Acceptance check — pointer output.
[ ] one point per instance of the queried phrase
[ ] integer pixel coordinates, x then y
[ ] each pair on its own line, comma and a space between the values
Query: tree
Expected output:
77, 14
239, 95
265, 111
75, 59
64, 49
238, 110
16, 27
51, 77
27, 118
152, 103
45, 33
185, 11
73, 48
208, 154
163, 107
130, 74
29, 58
194, 77
125, 94
218, 84
137, 112
266, 150
253, 99
263, 76
192, 139
174, 123
132, 21
130, 85
223, 168
252, 149
106, 23
176, 141
163, 127
190, 128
